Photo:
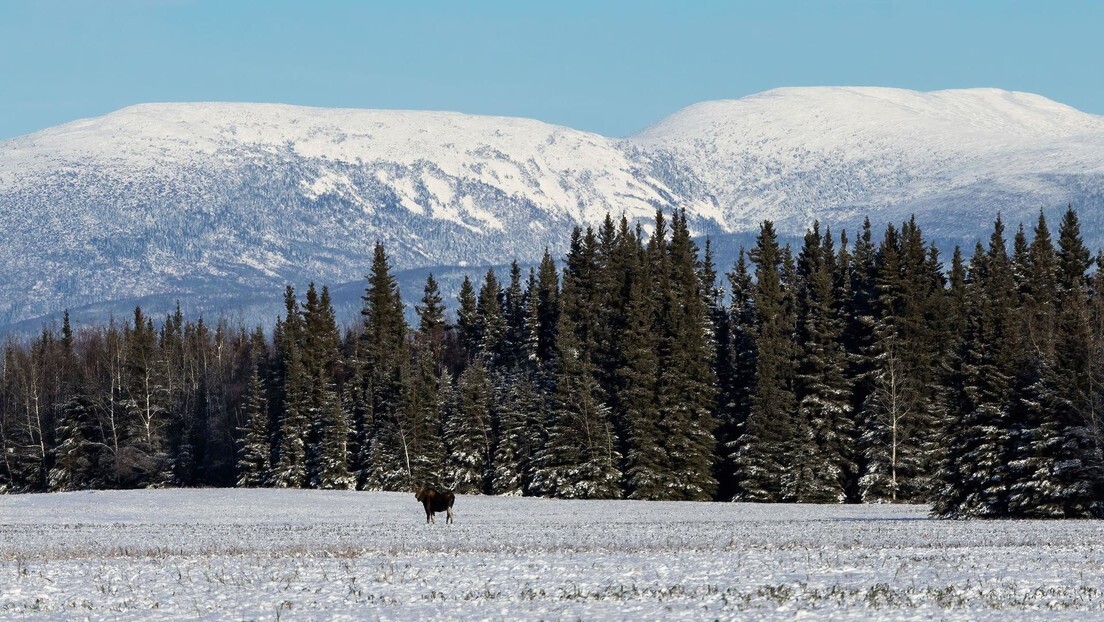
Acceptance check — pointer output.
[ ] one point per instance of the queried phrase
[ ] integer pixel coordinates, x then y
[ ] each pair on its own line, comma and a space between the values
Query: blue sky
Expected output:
612, 67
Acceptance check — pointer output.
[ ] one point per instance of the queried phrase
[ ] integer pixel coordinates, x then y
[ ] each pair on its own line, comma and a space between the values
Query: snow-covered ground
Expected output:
264, 554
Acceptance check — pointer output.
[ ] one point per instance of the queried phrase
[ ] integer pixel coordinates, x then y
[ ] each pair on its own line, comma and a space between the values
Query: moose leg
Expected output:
449, 519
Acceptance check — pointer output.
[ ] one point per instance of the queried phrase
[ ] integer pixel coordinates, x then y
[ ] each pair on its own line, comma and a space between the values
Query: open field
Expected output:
265, 554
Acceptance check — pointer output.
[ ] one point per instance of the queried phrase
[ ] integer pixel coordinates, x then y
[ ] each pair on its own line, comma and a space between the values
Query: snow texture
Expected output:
251, 554
221, 204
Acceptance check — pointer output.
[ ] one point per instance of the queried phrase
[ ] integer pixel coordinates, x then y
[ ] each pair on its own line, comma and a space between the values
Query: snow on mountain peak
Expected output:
798, 154
831, 114
225, 202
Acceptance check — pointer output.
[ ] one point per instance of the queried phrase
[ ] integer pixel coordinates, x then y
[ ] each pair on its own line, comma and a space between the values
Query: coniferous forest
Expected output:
847, 370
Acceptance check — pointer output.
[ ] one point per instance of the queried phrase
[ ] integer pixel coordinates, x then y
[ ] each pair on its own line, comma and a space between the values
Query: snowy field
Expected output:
263, 554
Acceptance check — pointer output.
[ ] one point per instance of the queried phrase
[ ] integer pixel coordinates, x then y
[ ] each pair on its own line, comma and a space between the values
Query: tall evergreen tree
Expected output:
145, 458
902, 407
513, 306
491, 323
291, 463
467, 318
546, 310
79, 462
821, 448
974, 478
514, 400
424, 405
687, 394
386, 360
646, 462
580, 458
467, 432
736, 385
254, 463
761, 459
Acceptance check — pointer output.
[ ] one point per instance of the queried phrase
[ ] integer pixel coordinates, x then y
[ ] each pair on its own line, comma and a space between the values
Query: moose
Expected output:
434, 501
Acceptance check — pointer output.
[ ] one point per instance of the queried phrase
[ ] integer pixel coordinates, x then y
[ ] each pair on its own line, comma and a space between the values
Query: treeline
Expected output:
864, 371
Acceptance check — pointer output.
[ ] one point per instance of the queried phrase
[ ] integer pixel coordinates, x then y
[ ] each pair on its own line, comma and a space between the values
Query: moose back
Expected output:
434, 501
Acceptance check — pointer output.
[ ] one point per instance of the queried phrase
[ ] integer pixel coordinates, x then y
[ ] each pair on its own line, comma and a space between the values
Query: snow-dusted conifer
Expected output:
254, 461
290, 470
761, 460
467, 432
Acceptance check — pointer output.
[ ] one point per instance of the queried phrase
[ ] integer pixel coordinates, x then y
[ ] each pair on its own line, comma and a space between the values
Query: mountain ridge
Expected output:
215, 200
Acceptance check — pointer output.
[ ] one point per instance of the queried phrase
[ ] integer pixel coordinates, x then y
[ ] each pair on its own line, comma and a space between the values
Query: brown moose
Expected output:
434, 501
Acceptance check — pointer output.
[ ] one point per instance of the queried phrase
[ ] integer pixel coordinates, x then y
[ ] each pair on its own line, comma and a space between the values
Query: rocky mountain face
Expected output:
220, 205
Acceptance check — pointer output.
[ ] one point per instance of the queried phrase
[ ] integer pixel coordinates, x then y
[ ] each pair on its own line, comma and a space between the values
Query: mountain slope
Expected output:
799, 154
225, 200
219, 205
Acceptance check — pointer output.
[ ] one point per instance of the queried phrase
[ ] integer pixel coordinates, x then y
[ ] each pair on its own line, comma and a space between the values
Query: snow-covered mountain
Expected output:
219, 205
222, 203
953, 158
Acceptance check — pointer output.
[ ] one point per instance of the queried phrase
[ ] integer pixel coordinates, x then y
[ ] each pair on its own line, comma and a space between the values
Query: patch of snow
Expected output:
248, 554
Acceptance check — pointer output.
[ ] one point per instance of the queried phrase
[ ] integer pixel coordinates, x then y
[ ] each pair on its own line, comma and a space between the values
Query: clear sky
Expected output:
612, 67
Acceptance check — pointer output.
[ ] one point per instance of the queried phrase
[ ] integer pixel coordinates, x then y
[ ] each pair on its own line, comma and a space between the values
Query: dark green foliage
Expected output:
862, 373
79, 462
821, 449
516, 398
490, 323
385, 356
467, 432
762, 459
255, 460
290, 470
144, 460
646, 461
736, 364
580, 458
424, 405
468, 318
687, 393
902, 408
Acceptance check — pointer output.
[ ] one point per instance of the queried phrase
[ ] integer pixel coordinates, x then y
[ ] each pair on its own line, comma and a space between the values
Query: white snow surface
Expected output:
519, 157
221, 204
266, 554
799, 154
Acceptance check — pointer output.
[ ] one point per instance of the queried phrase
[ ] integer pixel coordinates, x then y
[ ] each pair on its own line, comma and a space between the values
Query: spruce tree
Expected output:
580, 458
79, 455
902, 408
536, 373
1073, 338
761, 458
687, 394
513, 306
145, 456
646, 461
424, 408
467, 318
254, 463
329, 430
736, 385
491, 323
386, 360
467, 432
821, 447
514, 400
1072, 478
547, 309
290, 470
428, 388
975, 478
1038, 293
